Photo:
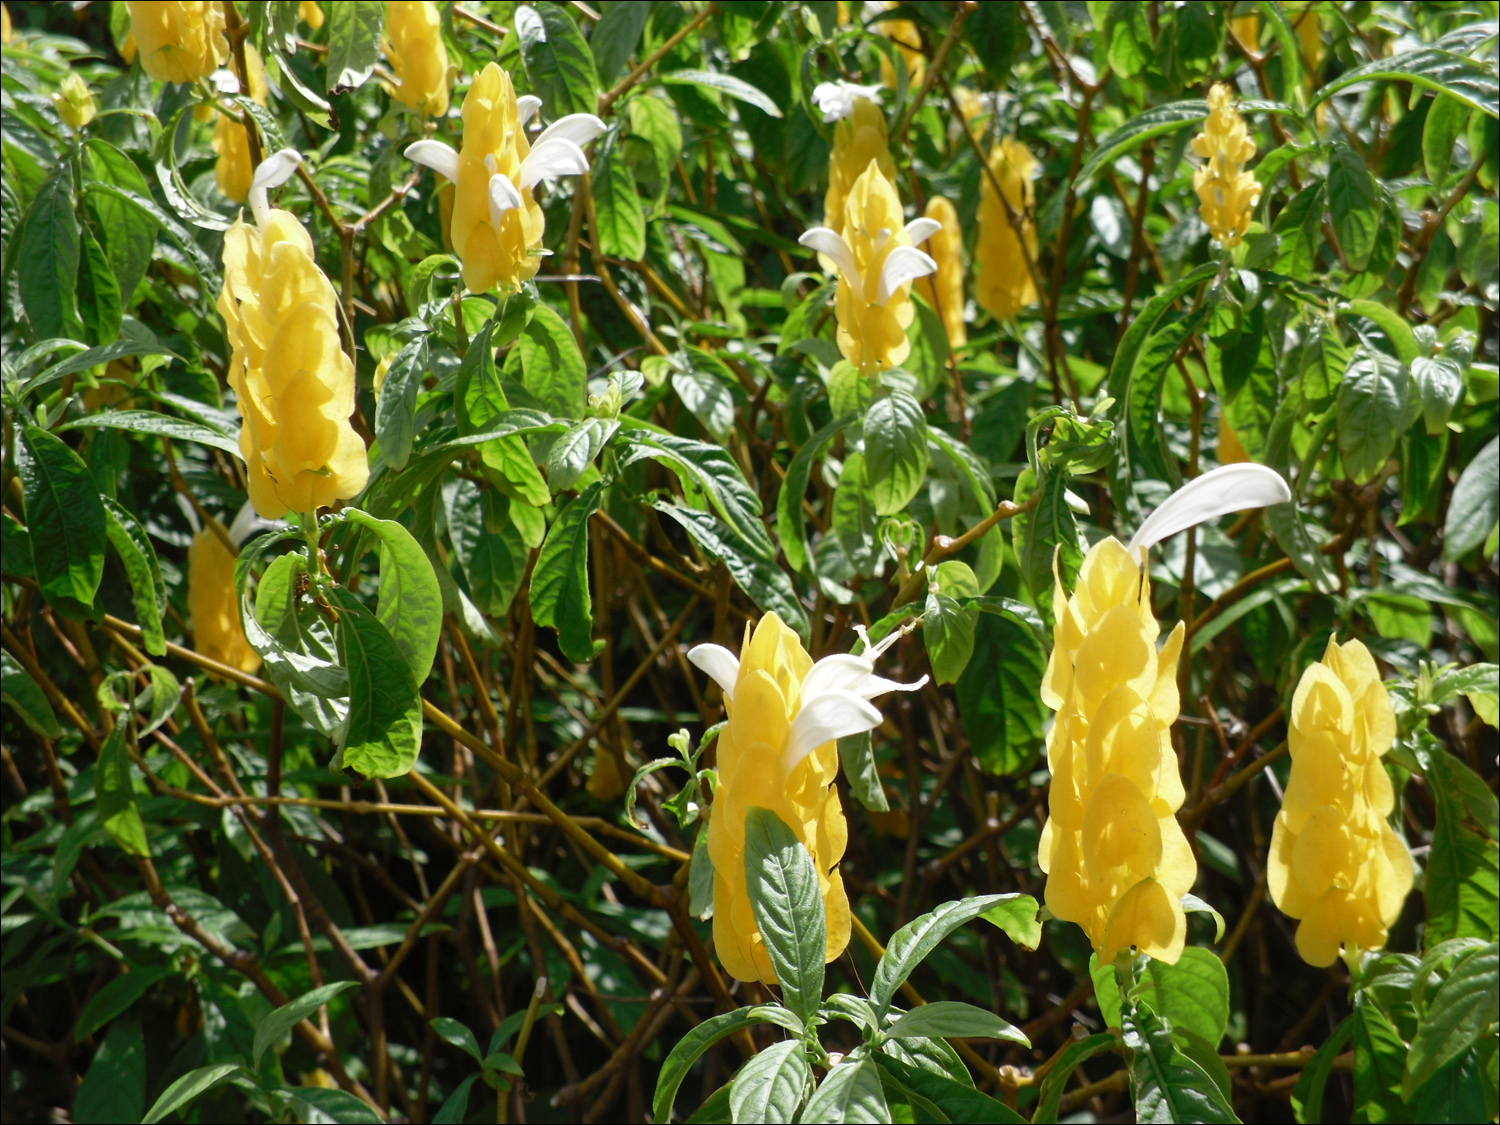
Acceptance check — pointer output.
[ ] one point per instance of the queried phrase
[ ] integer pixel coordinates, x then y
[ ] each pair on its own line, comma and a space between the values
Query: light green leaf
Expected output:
65, 517
384, 732
896, 455
283, 1019
189, 1088
118, 811
354, 30
770, 1087
560, 580
953, 1019
1475, 505
850, 1092
788, 904
551, 365
736, 88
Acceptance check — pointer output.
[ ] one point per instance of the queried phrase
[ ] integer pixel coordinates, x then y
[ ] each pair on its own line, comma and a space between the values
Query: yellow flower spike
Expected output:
1117, 861
1335, 862
944, 290
908, 41
859, 136
7, 32
1003, 284
876, 263
497, 225
232, 171
178, 40
74, 102
778, 752
1246, 31
213, 605
294, 384
1227, 194
309, 13
414, 45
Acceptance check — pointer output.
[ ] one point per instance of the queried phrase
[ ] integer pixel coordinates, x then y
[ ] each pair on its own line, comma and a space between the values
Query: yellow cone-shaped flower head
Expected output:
1003, 284
178, 40
294, 383
232, 170
1117, 862
908, 41
414, 46
778, 752
1335, 862
871, 331
944, 290
74, 102
213, 604
1226, 192
858, 139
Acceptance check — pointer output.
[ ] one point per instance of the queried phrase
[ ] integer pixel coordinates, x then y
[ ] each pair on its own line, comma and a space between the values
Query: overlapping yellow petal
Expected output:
1117, 862
872, 333
74, 102
944, 290
178, 40
232, 171
1335, 861
857, 139
294, 383
1002, 280
213, 605
414, 45
1227, 194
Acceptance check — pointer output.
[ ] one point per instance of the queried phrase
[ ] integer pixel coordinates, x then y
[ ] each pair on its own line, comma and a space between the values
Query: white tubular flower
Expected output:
1229, 488
901, 265
835, 100
274, 171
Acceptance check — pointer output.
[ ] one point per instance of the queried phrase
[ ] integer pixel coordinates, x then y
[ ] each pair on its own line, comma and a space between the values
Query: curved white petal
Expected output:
274, 171
580, 128
836, 100
526, 107
903, 264
435, 155
557, 156
920, 230
834, 714
844, 672
879, 685
1229, 488
503, 197
721, 666
832, 244
247, 522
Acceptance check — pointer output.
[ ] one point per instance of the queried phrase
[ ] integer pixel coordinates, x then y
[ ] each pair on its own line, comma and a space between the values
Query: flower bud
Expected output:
1117, 861
1226, 192
414, 46
1003, 284
944, 290
178, 40
232, 171
1335, 861
213, 604
74, 102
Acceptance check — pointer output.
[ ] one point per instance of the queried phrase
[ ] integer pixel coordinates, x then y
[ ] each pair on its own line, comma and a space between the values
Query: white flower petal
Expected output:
920, 230
831, 715
837, 673
503, 197
526, 107
247, 522
435, 155
554, 157
580, 128
835, 100
879, 685
274, 171
721, 666
1229, 488
832, 245
902, 264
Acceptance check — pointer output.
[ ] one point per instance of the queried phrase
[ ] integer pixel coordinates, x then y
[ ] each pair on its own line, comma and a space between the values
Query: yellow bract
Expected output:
414, 45
944, 290
492, 128
1226, 192
74, 102
908, 41
6, 31
1117, 862
1335, 862
178, 40
767, 697
309, 13
232, 171
872, 334
294, 383
213, 604
857, 139
1002, 281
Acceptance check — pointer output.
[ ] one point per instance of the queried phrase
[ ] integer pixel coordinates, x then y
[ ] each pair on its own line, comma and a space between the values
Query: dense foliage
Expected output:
398, 398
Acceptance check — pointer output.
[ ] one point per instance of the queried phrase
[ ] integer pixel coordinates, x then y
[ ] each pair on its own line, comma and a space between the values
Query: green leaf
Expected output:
1468, 81
136, 340
736, 88
855, 523
116, 997
947, 626
1445, 121
46, 260
118, 811
692, 1046
799, 323
919, 937
148, 589
708, 399
114, 1089
1167, 1085
277, 1023
995, 31
617, 207
1475, 505
1353, 204
384, 732
770, 1087
26, 697
1307, 1094
788, 903
396, 405
354, 30
457, 1034
1192, 904
1390, 322
456, 1108
896, 455
573, 453
1192, 995
99, 305
955, 1101
1465, 1007
953, 1019
560, 580
615, 38
791, 523
1017, 916
1440, 385
165, 425
1049, 1097
1373, 403
850, 1092
1040, 532
1379, 1060
710, 468
127, 233
928, 360
488, 547
998, 695
410, 604
1157, 121
65, 517
189, 1088
315, 1103
551, 365
558, 61
857, 755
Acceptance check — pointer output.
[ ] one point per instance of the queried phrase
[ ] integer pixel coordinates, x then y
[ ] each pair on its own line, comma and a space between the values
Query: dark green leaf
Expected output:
771, 1086
997, 695
189, 1088
1474, 85
410, 605
114, 1089
493, 560
99, 304
396, 405
736, 88
384, 732
1307, 1094
953, 1019
1167, 1084
1465, 1007
791, 523
557, 59
149, 591
118, 811
1353, 204
354, 29
857, 755
1049, 1097
622, 223
455, 1110
560, 580
919, 937
165, 425
896, 457
277, 1023
46, 261
1374, 400
788, 904
615, 37
26, 698
691, 1047
65, 517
